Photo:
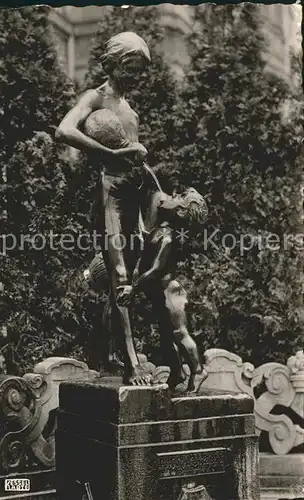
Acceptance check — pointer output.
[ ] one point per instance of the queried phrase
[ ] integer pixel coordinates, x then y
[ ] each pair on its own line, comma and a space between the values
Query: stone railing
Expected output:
27, 416
28, 404
277, 389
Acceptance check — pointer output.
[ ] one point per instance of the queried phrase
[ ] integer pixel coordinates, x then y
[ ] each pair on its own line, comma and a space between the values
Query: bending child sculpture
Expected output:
156, 276
126, 57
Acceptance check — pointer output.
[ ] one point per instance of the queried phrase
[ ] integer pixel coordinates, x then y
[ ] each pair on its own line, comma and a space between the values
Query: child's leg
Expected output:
169, 350
176, 300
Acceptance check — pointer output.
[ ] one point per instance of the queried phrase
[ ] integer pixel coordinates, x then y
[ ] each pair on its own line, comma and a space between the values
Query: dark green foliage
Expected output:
34, 96
234, 133
41, 319
239, 142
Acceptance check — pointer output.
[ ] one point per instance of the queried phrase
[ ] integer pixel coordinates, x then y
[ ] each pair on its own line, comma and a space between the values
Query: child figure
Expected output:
157, 278
117, 209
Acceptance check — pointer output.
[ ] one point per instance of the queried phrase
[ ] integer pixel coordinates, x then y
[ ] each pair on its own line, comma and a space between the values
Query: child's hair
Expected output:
123, 45
193, 207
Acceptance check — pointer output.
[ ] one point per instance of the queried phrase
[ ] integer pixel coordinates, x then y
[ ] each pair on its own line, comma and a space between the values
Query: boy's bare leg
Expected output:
133, 372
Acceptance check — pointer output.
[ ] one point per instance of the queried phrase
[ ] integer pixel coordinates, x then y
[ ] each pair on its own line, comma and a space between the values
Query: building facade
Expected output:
74, 30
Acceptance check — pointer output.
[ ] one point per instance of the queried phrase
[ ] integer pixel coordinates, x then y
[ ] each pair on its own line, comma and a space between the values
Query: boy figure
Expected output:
126, 57
156, 277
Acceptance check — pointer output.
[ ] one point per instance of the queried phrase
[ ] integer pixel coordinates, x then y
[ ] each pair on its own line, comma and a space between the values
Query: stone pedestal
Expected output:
140, 443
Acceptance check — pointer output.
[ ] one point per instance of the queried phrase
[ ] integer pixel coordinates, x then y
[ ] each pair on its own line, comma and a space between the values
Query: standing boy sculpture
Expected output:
126, 57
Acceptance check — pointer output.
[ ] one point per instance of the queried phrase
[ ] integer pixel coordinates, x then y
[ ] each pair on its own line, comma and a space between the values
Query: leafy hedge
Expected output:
234, 133
238, 140
35, 95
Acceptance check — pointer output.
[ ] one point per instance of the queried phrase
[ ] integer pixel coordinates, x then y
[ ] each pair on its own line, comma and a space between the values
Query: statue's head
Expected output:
126, 57
188, 208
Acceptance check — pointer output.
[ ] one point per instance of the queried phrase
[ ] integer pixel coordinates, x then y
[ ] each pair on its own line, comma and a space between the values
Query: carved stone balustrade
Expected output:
27, 416
28, 404
277, 389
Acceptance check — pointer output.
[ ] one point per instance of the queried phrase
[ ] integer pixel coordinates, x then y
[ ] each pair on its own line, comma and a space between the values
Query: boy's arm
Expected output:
68, 130
69, 133
127, 292
159, 262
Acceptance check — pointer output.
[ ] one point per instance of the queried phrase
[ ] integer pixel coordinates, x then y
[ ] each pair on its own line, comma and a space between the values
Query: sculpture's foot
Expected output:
137, 376
196, 380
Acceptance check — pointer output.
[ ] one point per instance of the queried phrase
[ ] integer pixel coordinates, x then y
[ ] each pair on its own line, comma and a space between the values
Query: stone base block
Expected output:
122, 443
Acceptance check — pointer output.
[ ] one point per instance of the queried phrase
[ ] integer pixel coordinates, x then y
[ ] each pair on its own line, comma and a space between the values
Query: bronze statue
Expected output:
103, 124
126, 57
164, 219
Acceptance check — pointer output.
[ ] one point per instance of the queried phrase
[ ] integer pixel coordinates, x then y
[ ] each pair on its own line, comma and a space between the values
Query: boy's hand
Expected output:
136, 152
125, 295
141, 154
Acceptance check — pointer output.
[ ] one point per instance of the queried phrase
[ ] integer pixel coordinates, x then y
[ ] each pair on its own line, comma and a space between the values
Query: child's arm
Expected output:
161, 258
69, 132
159, 262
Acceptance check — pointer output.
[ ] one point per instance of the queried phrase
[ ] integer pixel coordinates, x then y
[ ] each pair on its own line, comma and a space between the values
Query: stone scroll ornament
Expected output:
20, 413
277, 390
27, 416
